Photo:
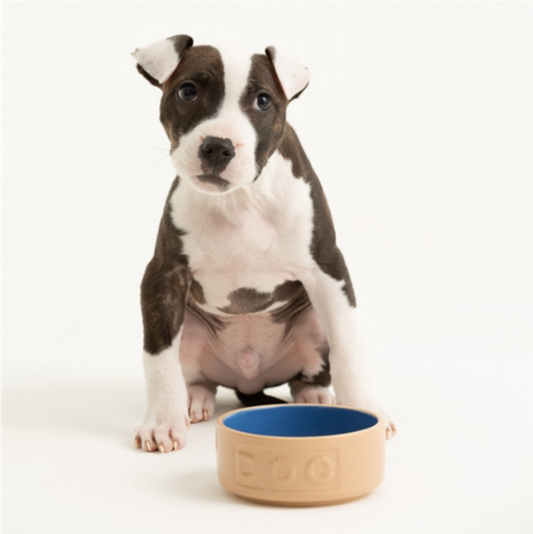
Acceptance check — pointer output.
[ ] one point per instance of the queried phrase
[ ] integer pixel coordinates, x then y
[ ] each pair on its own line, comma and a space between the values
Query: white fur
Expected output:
257, 236
159, 59
348, 376
165, 422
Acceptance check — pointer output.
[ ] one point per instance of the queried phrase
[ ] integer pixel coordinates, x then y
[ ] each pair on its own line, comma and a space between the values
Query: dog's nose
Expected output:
217, 152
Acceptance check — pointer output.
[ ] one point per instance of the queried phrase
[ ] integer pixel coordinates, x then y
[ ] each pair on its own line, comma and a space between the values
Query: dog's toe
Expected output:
164, 439
163, 436
201, 403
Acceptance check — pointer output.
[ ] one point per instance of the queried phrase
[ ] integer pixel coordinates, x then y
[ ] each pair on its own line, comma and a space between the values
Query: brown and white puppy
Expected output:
247, 288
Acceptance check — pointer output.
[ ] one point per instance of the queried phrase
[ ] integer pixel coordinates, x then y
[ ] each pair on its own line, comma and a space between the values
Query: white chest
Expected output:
256, 237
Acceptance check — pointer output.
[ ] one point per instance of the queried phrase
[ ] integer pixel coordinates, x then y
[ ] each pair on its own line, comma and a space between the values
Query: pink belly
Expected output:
251, 351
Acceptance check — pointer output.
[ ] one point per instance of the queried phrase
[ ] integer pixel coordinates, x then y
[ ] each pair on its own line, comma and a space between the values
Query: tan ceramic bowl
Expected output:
300, 454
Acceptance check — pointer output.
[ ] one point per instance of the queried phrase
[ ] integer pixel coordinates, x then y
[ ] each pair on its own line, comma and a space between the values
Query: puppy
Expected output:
247, 288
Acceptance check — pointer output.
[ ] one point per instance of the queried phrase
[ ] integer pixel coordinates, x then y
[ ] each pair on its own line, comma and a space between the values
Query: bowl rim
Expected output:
220, 422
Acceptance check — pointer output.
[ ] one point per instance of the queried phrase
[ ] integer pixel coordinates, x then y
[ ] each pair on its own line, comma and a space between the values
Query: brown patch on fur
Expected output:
163, 294
181, 43
196, 292
202, 66
290, 312
165, 285
323, 245
269, 124
323, 378
248, 300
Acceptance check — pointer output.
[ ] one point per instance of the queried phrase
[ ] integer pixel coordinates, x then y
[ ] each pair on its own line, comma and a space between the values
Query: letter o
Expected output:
282, 470
319, 470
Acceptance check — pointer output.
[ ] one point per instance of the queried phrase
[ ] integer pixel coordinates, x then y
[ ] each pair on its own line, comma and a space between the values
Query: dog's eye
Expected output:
188, 92
262, 102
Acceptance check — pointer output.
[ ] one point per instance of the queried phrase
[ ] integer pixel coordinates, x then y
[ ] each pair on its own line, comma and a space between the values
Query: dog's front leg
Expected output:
333, 299
163, 297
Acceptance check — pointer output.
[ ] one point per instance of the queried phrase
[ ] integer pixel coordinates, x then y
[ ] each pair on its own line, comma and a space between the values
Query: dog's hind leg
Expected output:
202, 402
313, 389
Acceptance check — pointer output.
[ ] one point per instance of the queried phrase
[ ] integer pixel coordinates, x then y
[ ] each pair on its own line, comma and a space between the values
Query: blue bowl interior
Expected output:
291, 421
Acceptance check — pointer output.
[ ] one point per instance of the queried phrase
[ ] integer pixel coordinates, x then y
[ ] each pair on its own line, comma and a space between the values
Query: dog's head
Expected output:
223, 110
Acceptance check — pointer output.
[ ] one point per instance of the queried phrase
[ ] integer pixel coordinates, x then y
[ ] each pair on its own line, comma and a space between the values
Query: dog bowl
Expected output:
300, 454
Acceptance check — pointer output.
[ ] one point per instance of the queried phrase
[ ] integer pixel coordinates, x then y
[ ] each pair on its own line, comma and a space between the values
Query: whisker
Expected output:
157, 147
158, 161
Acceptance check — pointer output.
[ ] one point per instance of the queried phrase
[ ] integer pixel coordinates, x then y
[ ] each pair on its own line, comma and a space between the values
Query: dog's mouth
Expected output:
213, 179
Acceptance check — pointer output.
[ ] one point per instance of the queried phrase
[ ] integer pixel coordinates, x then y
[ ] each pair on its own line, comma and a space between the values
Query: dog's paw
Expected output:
163, 434
201, 403
314, 395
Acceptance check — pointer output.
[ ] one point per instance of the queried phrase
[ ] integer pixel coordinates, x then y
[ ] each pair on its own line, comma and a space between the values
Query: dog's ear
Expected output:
156, 62
293, 76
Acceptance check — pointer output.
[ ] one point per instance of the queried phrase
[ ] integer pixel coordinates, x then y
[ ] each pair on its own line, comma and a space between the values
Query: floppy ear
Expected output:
293, 76
156, 62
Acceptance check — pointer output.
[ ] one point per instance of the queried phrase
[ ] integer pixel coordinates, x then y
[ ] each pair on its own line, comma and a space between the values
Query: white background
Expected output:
419, 121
